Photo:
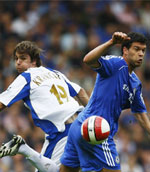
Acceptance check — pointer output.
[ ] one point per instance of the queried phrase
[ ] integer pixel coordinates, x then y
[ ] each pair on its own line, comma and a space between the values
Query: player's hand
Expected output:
119, 37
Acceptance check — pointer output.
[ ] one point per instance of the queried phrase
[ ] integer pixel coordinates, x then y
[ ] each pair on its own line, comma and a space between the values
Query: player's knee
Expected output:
64, 168
107, 170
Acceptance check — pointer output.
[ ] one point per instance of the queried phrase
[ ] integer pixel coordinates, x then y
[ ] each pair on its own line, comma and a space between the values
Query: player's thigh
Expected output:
64, 168
107, 170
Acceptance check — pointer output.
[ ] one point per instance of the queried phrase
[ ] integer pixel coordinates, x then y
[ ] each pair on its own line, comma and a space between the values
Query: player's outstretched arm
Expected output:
82, 97
143, 120
92, 57
2, 106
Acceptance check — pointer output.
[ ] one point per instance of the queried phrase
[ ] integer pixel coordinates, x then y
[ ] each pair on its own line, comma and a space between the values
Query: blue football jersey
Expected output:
115, 90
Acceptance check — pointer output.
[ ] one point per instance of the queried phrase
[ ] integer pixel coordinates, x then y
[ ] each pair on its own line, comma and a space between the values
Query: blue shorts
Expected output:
79, 153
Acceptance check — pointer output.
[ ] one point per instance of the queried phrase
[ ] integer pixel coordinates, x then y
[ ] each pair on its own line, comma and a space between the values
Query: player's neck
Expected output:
130, 67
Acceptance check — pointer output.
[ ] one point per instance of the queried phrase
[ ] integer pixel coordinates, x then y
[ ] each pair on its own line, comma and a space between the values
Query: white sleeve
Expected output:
10, 96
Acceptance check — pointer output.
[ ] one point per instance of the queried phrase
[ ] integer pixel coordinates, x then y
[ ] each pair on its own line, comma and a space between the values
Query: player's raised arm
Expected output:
92, 57
143, 120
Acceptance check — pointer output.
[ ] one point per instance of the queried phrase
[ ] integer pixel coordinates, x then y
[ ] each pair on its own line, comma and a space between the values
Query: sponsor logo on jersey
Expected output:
131, 95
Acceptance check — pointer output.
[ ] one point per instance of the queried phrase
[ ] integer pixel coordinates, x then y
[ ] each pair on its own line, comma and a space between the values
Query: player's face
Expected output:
135, 54
23, 62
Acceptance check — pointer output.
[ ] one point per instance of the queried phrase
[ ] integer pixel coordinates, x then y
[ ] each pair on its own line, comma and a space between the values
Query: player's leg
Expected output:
89, 157
64, 168
42, 163
53, 149
18, 146
107, 170
69, 159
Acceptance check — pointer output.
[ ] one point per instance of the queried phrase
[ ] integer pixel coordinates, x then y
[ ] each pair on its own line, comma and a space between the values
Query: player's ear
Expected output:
125, 51
34, 62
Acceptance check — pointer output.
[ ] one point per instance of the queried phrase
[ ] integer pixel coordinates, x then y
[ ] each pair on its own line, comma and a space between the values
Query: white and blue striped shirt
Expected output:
48, 94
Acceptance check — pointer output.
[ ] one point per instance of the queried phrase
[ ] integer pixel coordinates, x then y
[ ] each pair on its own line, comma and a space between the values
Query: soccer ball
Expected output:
95, 130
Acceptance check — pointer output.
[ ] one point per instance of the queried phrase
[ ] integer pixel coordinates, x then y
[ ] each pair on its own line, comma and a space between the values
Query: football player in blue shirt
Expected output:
116, 88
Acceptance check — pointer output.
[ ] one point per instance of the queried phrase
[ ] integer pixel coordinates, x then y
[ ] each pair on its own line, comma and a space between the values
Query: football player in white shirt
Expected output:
50, 97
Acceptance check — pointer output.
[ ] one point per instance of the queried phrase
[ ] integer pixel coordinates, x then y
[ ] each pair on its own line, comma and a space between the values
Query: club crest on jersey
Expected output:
117, 160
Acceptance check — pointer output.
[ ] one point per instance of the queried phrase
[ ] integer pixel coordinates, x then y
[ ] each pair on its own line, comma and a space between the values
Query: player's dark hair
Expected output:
31, 49
135, 37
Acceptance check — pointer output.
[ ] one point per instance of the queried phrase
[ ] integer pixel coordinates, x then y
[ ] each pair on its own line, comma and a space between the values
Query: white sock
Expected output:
42, 163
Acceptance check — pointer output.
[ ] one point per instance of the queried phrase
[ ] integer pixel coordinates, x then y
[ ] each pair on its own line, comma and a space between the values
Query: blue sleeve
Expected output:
71, 90
138, 105
109, 65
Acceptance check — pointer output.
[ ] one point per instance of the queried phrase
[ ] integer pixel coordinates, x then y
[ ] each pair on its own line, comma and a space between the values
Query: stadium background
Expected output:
67, 30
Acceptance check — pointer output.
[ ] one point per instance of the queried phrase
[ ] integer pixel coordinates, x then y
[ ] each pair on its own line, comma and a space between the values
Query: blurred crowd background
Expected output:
66, 31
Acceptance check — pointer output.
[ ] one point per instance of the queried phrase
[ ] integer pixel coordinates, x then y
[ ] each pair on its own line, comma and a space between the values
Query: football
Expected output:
95, 129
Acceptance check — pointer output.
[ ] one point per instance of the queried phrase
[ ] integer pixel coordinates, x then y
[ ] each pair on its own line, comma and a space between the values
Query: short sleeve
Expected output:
18, 90
138, 105
109, 65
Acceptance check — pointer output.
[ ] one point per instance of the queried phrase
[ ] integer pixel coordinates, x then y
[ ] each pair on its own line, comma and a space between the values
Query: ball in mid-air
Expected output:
95, 129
